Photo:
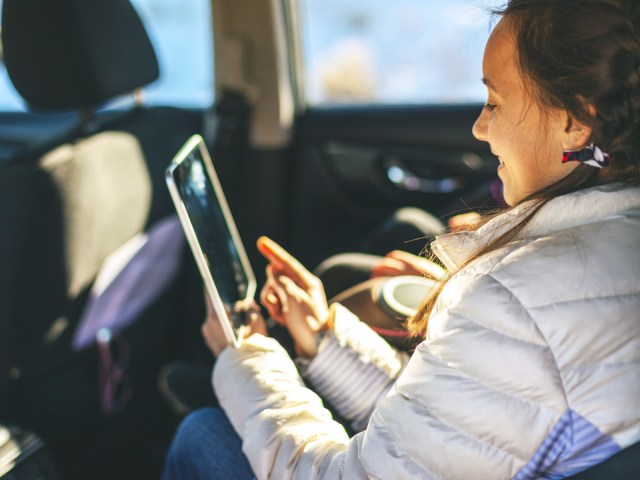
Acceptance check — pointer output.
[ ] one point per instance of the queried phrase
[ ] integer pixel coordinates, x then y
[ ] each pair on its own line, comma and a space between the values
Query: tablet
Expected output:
212, 236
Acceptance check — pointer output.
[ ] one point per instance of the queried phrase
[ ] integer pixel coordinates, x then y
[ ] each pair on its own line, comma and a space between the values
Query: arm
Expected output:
476, 400
294, 297
354, 369
342, 358
398, 262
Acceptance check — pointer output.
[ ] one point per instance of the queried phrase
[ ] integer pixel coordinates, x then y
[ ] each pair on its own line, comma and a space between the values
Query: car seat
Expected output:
66, 206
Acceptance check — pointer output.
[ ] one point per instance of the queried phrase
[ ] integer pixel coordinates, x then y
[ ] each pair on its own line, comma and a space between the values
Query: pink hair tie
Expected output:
590, 155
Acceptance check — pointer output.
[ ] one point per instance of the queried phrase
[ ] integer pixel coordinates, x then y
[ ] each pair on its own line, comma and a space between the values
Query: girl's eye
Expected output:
490, 107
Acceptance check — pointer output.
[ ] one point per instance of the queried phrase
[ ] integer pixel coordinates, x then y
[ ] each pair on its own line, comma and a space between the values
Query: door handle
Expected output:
403, 178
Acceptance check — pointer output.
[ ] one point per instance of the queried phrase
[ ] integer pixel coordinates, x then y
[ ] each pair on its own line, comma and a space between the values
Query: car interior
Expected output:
82, 187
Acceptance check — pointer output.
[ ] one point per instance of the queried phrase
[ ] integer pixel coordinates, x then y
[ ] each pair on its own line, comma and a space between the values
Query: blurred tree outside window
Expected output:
403, 52
180, 31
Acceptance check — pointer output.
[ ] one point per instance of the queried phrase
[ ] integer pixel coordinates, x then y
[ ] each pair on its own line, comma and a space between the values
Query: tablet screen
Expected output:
206, 215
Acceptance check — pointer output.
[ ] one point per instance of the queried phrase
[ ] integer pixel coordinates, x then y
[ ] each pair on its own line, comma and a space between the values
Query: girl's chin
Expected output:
510, 197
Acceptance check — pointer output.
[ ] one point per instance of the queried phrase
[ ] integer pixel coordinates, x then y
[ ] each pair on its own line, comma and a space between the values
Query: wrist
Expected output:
302, 359
309, 348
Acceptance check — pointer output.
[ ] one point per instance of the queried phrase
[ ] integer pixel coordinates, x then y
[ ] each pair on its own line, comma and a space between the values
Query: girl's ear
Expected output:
576, 135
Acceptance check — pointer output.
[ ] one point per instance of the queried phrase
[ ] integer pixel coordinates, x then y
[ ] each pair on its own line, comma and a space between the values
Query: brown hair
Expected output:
581, 56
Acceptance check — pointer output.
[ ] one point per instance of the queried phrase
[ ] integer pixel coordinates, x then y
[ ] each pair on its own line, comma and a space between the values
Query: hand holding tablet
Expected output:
293, 295
214, 335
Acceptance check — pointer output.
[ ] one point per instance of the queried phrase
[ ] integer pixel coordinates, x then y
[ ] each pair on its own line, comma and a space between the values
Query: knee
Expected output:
197, 427
191, 440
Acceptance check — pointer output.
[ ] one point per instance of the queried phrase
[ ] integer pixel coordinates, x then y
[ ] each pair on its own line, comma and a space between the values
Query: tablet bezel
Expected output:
197, 142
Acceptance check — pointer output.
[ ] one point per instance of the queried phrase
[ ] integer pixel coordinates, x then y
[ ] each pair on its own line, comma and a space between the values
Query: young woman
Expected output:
530, 366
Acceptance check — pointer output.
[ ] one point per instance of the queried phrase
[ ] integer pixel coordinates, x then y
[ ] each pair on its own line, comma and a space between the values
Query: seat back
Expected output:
64, 207
60, 217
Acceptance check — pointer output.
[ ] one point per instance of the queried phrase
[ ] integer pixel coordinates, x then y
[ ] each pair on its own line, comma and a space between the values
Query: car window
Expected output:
405, 51
181, 33
182, 38
9, 99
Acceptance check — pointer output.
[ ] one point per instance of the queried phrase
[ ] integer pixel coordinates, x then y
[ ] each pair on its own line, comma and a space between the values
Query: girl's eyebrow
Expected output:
490, 85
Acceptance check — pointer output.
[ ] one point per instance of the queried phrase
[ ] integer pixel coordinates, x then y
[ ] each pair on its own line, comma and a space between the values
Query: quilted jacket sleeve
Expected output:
476, 400
354, 369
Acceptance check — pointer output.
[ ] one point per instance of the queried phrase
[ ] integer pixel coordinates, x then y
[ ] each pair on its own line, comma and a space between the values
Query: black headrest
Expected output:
70, 54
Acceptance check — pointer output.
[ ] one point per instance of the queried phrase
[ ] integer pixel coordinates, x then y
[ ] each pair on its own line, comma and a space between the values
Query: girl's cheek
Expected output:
496, 128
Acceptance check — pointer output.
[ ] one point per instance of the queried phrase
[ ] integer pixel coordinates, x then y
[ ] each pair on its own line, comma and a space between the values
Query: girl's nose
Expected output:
479, 129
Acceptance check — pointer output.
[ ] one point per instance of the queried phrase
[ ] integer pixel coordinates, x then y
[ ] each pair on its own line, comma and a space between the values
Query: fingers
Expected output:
211, 330
208, 306
268, 299
395, 263
388, 267
289, 286
256, 321
208, 336
302, 324
398, 262
275, 289
283, 287
402, 256
271, 302
283, 261
273, 298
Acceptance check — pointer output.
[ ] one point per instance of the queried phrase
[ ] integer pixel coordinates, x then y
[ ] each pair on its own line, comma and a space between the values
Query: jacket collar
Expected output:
567, 211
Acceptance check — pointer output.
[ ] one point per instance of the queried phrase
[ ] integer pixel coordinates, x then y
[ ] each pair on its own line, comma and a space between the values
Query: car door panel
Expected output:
355, 166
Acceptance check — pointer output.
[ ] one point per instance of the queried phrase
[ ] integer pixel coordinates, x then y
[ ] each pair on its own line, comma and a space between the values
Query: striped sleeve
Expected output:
573, 445
355, 368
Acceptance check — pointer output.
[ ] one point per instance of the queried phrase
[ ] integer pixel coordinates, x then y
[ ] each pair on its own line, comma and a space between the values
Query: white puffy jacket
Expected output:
530, 367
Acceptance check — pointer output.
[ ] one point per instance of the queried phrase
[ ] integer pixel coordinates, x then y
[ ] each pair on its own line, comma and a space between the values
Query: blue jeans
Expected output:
206, 447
